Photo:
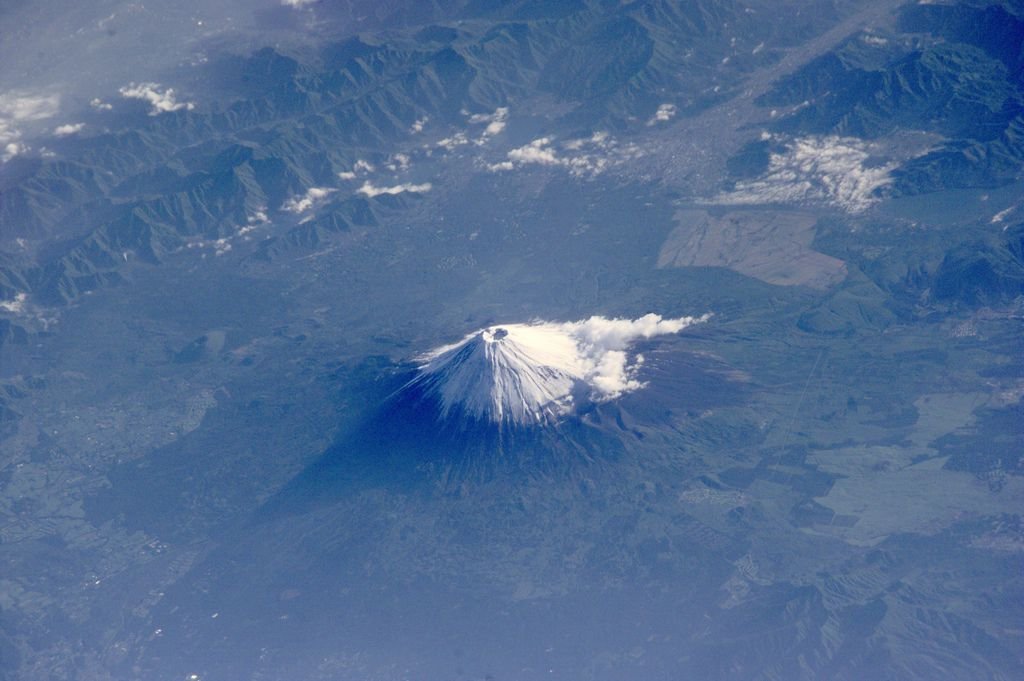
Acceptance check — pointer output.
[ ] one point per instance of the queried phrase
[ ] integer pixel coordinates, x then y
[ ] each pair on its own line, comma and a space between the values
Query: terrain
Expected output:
221, 257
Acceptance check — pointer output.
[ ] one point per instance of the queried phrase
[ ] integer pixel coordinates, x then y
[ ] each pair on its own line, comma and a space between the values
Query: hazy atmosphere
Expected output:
465, 340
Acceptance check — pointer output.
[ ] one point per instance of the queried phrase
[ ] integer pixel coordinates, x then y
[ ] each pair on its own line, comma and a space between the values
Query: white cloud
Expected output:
12, 149
297, 3
257, 219
816, 169
358, 167
16, 108
21, 106
459, 139
15, 305
602, 345
538, 151
478, 118
68, 129
226, 243
494, 127
1002, 215
218, 246
368, 189
600, 139
398, 162
419, 124
160, 100
531, 373
8, 132
495, 122
100, 105
581, 157
313, 197
665, 112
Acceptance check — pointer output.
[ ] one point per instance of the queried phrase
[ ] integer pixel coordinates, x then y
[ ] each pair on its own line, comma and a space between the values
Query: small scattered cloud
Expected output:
218, 246
16, 305
398, 163
224, 244
68, 129
581, 157
1002, 215
459, 139
258, 218
665, 112
538, 151
419, 124
599, 139
22, 106
313, 197
834, 170
16, 109
495, 121
359, 167
8, 132
22, 307
297, 3
161, 100
100, 105
371, 190
12, 149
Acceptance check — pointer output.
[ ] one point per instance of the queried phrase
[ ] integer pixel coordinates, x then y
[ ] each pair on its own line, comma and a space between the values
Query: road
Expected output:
691, 153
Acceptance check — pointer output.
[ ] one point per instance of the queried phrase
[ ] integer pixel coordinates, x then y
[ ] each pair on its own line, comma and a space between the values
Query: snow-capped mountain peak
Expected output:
529, 373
